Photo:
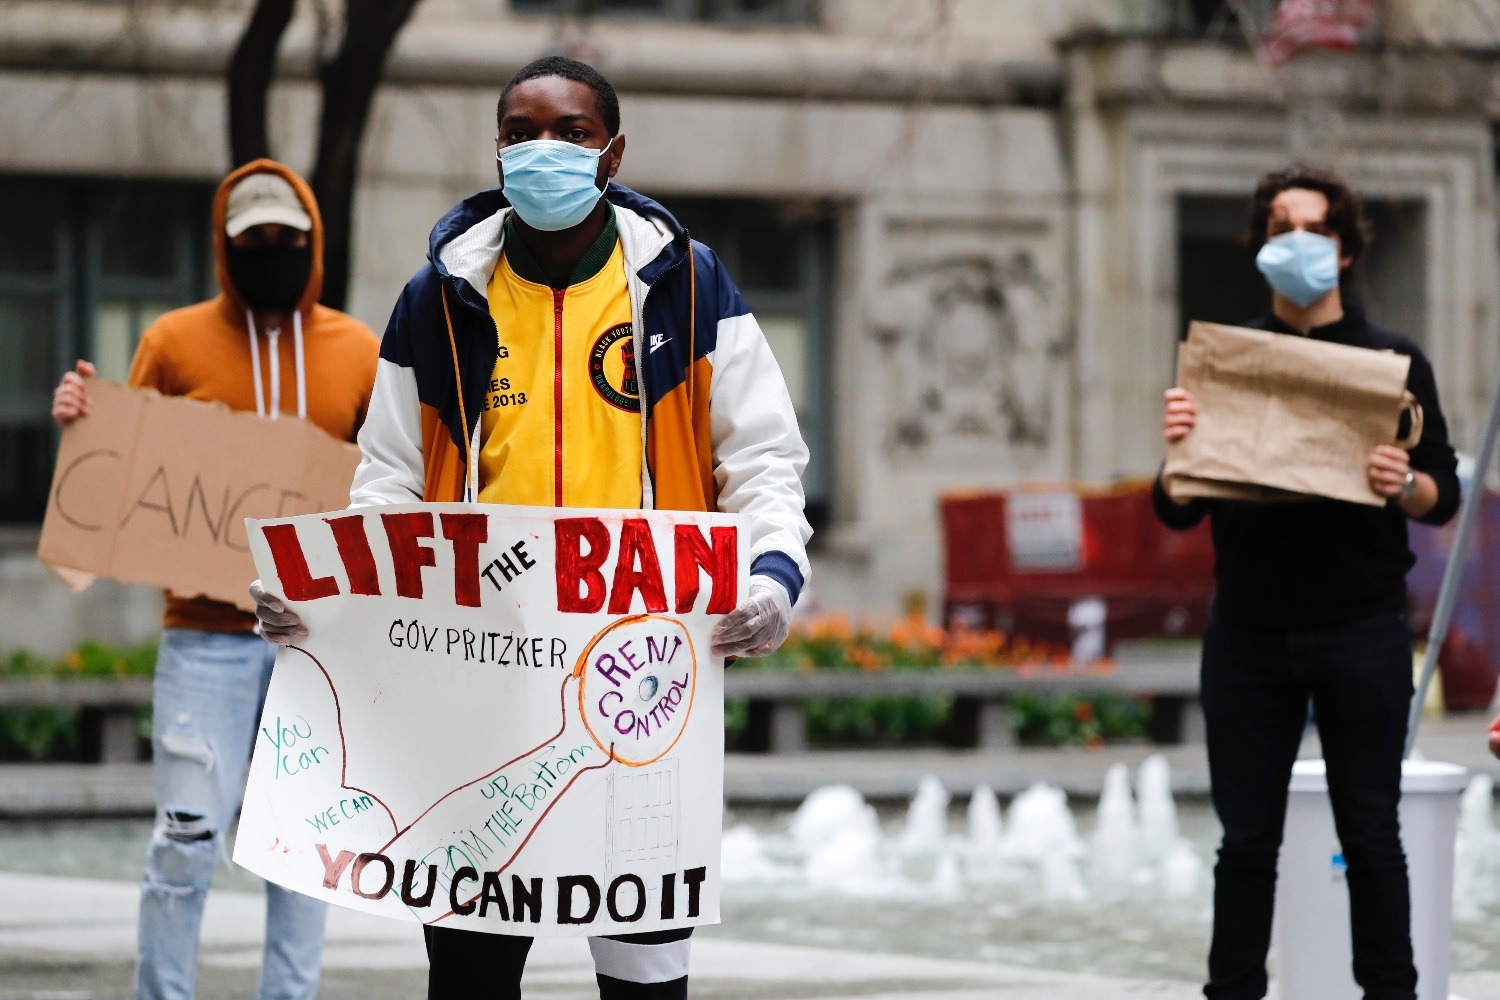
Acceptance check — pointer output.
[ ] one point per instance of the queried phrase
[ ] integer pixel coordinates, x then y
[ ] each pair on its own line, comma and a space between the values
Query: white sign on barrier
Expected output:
1044, 532
504, 719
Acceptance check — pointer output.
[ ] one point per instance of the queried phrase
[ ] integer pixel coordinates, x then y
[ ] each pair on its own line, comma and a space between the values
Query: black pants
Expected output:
1256, 687
472, 965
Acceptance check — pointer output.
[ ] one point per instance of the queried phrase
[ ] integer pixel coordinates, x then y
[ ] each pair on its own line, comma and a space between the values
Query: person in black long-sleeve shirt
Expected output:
1310, 605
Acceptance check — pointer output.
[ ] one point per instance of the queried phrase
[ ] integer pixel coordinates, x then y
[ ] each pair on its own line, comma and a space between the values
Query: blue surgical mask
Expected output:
1302, 266
551, 183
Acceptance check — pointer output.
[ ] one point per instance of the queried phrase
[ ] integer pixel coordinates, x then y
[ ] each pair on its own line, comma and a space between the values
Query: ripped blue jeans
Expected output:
209, 690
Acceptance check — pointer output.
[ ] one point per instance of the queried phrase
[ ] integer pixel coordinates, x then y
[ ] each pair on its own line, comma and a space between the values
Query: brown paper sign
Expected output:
156, 489
1283, 417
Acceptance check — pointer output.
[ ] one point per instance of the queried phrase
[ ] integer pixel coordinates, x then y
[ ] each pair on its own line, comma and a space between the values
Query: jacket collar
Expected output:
524, 263
466, 243
1348, 329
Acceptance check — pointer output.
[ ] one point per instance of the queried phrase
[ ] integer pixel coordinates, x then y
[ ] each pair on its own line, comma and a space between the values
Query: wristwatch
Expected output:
1409, 487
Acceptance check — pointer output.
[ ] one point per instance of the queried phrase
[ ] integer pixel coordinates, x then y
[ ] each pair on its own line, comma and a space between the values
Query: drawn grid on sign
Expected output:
642, 810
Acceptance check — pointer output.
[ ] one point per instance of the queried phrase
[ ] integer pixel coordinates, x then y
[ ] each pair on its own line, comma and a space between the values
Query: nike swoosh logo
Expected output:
658, 340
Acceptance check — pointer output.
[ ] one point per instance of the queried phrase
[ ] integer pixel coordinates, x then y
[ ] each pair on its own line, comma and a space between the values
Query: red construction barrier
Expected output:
1470, 658
1018, 561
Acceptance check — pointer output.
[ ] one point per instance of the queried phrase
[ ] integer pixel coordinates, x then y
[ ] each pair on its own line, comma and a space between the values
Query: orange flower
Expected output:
830, 627
903, 634
865, 658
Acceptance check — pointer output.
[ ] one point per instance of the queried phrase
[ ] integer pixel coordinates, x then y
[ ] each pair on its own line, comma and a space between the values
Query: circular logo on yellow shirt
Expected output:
612, 368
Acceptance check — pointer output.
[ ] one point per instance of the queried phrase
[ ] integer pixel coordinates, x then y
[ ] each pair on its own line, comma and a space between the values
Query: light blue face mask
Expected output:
1302, 266
551, 183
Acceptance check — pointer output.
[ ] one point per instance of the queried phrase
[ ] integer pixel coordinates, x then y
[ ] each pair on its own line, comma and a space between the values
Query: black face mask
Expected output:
270, 277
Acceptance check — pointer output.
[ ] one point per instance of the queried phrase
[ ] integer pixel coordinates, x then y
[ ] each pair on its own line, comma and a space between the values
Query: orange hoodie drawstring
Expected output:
273, 335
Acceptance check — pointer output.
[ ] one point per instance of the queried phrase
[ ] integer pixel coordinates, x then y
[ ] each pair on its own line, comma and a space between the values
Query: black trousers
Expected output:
472, 965
1256, 688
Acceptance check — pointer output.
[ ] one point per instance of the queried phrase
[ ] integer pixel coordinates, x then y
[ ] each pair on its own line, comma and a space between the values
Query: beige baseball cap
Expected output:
262, 198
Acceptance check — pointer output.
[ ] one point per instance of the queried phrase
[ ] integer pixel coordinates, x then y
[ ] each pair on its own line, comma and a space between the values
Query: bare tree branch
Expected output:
349, 82
250, 73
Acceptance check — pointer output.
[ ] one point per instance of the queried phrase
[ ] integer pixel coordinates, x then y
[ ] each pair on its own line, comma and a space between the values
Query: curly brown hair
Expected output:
1346, 215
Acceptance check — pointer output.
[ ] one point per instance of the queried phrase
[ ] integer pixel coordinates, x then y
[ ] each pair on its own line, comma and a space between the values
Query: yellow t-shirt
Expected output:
562, 418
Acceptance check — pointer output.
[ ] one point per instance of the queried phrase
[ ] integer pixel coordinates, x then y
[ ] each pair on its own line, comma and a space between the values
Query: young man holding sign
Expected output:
1311, 605
263, 332
568, 345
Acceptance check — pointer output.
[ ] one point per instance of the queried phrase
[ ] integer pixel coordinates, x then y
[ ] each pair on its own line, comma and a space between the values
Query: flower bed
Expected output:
836, 643
826, 643
43, 733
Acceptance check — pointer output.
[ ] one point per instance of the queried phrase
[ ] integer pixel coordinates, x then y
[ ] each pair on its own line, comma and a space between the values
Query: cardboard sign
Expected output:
156, 489
505, 719
1284, 417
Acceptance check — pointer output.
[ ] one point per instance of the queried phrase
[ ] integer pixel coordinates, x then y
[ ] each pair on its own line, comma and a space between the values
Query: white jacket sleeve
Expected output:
759, 454
390, 442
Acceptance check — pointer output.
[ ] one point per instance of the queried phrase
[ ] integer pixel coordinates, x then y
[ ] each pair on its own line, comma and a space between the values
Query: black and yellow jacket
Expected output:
718, 432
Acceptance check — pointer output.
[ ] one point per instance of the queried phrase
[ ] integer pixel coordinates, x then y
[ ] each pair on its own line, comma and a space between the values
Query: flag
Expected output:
1307, 25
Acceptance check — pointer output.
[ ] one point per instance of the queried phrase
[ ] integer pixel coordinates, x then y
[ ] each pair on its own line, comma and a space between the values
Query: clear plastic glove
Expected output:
278, 623
758, 626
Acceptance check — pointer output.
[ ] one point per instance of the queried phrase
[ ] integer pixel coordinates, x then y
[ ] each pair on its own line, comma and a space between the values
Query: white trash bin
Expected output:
1314, 958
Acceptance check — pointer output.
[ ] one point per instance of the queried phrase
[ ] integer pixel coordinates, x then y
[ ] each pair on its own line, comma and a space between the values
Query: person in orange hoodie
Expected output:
263, 344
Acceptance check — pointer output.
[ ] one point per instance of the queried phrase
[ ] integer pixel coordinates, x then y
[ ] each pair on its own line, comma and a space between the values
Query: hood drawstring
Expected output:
301, 365
260, 400
274, 334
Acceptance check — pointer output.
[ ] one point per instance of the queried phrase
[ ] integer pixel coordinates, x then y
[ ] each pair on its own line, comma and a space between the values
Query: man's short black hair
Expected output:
578, 72
1346, 216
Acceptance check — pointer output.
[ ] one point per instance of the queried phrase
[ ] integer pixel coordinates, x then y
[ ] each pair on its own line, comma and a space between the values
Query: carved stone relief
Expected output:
973, 349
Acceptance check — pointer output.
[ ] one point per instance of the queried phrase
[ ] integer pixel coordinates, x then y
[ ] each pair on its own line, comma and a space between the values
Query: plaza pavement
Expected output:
73, 939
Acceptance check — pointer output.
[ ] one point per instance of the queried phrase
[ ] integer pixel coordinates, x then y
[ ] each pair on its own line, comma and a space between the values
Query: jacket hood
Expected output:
484, 205
314, 286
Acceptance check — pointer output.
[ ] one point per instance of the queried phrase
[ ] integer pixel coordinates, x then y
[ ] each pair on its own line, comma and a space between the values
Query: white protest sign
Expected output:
503, 719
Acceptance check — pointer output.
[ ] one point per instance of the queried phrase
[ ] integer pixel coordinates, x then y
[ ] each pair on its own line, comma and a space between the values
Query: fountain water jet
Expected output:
743, 858
1041, 832
1476, 862
986, 828
829, 811
1041, 825
1061, 881
1159, 833
1181, 872
1115, 847
848, 862
838, 835
926, 826
947, 880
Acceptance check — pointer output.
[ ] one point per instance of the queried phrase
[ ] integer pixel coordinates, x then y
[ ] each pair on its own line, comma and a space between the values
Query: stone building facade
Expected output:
973, 229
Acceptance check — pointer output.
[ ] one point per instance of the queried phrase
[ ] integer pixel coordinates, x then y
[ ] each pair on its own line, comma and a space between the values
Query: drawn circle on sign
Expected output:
636, 684
612, 368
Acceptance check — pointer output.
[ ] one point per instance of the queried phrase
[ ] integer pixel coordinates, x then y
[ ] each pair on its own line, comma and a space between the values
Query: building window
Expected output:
1216, 19
84, 268
780, 256
751, 12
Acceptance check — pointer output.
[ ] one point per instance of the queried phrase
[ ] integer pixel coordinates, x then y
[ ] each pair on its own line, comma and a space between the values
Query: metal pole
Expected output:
1453, 573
